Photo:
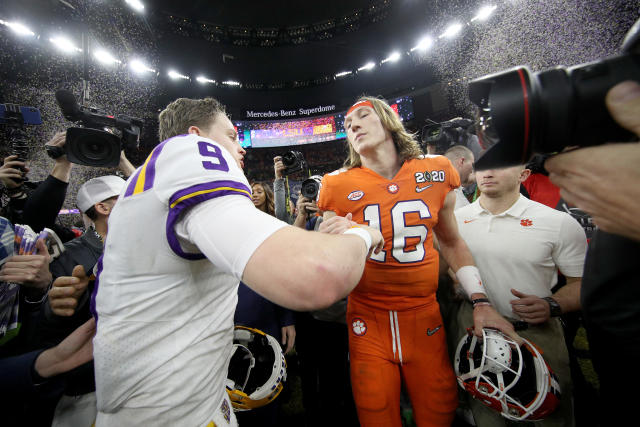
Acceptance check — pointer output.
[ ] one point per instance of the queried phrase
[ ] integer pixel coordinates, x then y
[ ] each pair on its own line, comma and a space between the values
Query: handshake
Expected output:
344, 225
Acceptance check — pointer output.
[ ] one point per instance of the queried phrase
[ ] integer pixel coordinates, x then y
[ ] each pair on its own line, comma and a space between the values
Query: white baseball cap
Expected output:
97, 190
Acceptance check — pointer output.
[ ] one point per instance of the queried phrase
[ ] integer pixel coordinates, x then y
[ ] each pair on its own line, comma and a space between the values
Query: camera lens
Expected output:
504, 116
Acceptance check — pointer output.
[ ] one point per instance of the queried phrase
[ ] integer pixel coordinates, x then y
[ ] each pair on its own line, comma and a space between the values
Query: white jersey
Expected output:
164, 311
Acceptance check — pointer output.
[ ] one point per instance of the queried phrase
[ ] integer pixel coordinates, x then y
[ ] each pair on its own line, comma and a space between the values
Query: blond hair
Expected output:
184, 113
406, 144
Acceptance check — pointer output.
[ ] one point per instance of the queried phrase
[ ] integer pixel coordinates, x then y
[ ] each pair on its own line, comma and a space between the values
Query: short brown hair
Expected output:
406, 144
184, 113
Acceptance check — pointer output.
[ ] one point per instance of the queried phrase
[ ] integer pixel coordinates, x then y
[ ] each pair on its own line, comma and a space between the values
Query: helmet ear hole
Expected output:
513, 380
257, 369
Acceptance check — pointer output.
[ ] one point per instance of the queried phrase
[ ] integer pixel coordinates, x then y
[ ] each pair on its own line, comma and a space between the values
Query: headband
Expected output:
358, 105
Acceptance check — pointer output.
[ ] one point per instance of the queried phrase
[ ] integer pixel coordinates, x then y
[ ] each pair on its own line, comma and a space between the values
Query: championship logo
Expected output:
355, 195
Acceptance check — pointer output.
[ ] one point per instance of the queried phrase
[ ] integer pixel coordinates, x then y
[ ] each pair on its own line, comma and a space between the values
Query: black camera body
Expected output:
293, 162
445, 135
91, 145
520, 113
13, 118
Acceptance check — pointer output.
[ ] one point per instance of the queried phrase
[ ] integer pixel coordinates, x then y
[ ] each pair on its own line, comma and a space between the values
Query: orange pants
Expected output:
390, 337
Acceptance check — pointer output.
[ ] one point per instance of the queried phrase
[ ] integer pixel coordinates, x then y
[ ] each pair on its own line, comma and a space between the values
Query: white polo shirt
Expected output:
522, 248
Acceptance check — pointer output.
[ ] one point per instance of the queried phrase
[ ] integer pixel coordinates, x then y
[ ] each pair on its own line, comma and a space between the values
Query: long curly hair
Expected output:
406, 144
269, 204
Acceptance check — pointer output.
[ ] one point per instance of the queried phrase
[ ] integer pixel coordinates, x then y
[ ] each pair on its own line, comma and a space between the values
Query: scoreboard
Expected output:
278, 133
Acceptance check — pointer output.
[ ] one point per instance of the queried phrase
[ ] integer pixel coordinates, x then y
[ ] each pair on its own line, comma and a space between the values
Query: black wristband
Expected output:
479, 300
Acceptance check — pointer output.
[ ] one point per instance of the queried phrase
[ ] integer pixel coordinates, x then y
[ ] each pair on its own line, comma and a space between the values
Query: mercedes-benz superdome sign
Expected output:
250, 114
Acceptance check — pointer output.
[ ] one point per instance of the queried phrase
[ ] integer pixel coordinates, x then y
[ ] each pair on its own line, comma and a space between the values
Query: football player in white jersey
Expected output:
182, 235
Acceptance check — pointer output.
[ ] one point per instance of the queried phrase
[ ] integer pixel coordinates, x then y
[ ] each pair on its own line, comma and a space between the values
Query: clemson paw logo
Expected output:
393, 188
526, 222
359, 327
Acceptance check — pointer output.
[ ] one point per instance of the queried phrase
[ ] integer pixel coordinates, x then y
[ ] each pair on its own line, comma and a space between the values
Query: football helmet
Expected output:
256, 371
513, 380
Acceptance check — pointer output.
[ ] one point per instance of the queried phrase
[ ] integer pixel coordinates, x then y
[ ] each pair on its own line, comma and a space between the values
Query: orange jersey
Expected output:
405, 209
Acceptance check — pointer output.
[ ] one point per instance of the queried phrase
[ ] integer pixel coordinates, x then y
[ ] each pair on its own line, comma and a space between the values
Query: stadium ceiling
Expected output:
284, 44
257, 45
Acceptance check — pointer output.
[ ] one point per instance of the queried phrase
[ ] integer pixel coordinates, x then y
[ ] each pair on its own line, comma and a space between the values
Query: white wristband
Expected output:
362, 234
469, 278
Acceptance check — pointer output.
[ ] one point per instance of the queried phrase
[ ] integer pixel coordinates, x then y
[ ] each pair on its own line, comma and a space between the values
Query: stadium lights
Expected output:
484, 13
18, 28
392, 58
367, 66
424, 44
64, 45
231, 83
176, 75
203, 80
451, 31
136, 5
139, 67
343, 73
105, 57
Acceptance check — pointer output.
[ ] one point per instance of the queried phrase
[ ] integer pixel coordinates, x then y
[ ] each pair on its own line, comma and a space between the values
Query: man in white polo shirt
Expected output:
519, 246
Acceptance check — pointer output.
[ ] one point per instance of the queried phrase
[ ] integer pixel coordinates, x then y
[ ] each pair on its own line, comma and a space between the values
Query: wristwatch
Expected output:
554, 306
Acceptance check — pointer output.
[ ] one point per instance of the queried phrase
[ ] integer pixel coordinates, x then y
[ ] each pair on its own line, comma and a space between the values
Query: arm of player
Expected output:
325, 268
457, 254
293, 268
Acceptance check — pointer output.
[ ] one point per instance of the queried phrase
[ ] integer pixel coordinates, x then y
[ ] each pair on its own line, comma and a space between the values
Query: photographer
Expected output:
37, 204
603, 181
279, 192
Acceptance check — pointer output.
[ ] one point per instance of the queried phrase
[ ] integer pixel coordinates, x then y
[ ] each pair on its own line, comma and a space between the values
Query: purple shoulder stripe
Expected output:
149, 167
92, 303
191, 196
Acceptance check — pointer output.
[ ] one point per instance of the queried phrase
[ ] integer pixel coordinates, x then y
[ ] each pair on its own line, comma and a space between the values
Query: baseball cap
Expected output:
98, 189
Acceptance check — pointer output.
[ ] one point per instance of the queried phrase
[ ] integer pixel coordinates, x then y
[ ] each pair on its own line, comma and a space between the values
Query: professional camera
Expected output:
91, 145
13, 118
293, 162
311, 187
447, 134
519, 112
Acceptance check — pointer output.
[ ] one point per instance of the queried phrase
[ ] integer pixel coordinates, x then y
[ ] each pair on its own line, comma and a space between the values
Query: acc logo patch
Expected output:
393, 188
359, 326
526, 222
355, 195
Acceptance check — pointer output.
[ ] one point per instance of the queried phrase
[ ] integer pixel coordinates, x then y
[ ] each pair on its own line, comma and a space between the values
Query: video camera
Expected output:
13, 118
447, 134
293, 162
91, 145
519, 112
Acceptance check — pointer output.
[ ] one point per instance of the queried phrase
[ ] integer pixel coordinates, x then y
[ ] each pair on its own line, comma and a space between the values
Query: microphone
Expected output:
68, 104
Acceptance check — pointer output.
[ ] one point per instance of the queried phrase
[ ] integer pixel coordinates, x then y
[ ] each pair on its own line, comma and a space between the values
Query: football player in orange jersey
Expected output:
394, 320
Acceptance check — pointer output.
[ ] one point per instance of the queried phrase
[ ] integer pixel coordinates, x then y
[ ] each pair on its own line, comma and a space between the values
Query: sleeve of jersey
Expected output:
570, 252
227, 231
454, 177
326, 198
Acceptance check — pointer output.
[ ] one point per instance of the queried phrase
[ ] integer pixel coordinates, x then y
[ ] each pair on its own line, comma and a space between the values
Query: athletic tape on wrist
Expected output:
363, 234
469, 278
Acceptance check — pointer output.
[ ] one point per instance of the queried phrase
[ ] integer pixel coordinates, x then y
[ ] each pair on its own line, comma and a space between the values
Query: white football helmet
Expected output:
256, 371
515, 381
